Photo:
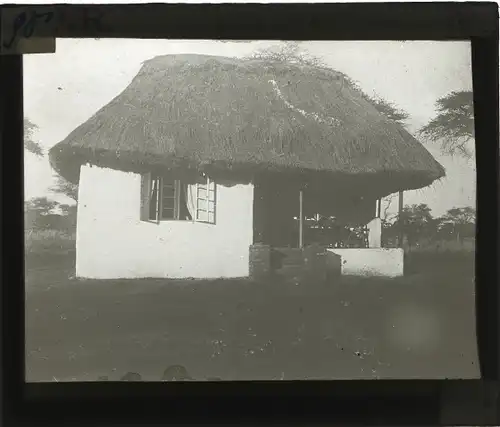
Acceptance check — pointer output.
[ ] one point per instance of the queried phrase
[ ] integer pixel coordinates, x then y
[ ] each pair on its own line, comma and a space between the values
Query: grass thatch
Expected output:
246, 116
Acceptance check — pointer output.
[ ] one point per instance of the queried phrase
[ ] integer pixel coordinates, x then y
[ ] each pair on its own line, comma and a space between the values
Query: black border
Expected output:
320, 21
375, 402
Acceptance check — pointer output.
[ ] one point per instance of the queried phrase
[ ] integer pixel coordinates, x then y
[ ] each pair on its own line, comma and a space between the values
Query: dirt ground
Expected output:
419, 326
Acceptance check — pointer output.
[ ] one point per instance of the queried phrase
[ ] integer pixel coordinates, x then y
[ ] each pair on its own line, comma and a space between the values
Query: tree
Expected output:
68, 209
42, 205
41, 213
37, 210
453, 126
67, 221
65, 187
458, 223
292, 52
29, 144
417, 223
62, 186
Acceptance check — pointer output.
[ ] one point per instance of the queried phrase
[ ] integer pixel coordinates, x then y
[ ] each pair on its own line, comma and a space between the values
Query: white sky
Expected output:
64, 89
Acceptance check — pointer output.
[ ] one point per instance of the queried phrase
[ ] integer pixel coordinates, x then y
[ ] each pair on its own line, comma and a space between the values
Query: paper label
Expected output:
20, 29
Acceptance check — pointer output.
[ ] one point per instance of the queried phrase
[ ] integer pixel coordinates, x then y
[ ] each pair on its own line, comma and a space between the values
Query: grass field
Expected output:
48, 242
419, 326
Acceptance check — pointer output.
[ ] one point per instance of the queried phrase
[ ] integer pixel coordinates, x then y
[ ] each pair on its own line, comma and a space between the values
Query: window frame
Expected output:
147, 185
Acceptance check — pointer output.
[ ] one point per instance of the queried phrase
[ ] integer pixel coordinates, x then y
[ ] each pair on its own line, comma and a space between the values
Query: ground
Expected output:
418, 326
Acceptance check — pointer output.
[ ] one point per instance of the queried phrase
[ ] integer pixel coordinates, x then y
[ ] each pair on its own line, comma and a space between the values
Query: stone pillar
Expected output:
260, 261
375, 233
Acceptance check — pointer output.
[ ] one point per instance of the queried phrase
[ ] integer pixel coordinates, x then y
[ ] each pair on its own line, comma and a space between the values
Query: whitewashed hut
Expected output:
202, 157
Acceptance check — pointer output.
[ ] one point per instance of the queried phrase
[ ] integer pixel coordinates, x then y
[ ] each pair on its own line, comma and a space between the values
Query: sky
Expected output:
64, 89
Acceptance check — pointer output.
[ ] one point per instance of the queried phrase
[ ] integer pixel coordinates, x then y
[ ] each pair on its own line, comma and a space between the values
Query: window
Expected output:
164, 199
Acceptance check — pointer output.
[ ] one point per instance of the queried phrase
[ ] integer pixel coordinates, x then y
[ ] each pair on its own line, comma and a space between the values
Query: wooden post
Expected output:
401, 225
301, 219
379, 207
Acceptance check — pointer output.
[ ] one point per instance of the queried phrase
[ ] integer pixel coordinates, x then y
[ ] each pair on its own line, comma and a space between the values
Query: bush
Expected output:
445, 246
48, 242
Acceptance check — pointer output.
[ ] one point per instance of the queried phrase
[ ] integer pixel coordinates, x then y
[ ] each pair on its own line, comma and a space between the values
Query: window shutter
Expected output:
211, 202
201, 202
205, 201
145, 195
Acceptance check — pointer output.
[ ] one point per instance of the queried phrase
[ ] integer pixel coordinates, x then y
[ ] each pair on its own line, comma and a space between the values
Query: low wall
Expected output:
385, 262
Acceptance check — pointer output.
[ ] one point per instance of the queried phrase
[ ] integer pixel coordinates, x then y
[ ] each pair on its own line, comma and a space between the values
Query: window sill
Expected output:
163, 221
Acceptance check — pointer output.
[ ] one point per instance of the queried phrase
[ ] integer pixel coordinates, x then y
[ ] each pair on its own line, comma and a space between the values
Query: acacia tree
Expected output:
453, 126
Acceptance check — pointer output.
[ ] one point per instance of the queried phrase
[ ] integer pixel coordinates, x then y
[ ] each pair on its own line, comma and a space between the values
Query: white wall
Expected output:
386, 262
112, 242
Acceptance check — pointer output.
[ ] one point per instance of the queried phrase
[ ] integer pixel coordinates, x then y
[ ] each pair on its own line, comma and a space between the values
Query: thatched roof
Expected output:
248, 116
